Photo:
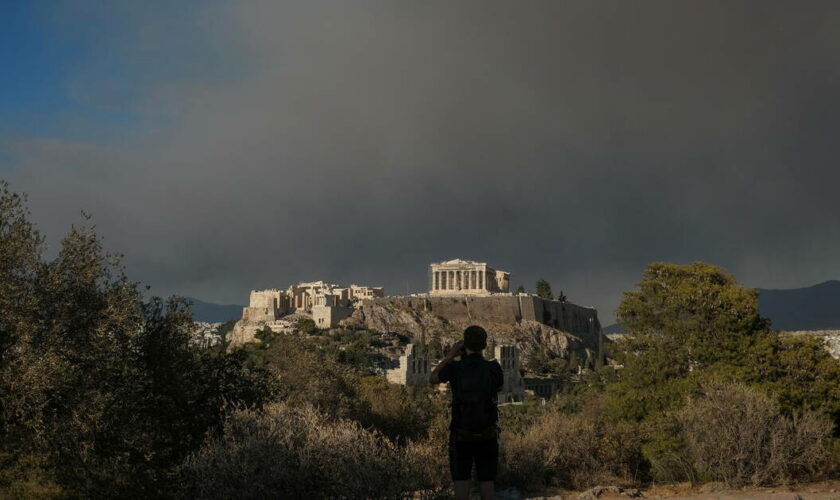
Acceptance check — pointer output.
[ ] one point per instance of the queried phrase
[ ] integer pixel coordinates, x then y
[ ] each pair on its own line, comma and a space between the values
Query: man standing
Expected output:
473, 432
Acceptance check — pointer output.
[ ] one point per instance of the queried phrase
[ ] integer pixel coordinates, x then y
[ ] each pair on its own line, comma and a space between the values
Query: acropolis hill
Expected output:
461, 292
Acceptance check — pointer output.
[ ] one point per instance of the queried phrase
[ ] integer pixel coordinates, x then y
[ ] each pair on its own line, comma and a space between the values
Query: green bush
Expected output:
306, 326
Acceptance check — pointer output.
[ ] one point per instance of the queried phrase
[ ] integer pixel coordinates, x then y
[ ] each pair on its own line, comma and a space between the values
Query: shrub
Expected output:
573, 451
666, 452
738, 435
306, 326
298, 452
427, 461
27, 476
307, 376
399, 412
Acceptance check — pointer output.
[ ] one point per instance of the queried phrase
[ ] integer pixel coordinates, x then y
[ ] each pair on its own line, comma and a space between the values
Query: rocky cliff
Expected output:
446, 318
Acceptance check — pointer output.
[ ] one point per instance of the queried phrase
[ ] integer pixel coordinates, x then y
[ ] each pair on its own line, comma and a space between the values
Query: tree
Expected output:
98, 384
544, 290
306, 326
698, 305
694, 323
681, 320
520, 289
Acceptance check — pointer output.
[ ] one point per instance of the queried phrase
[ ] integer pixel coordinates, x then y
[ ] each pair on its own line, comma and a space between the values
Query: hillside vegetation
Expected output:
102, 396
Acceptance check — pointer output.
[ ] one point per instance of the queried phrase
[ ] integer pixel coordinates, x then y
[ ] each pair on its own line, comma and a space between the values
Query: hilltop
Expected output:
209, 312
809, 308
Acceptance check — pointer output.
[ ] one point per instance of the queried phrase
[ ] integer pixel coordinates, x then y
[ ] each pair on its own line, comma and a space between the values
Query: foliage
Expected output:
738, 435
573, 451
690, 324
306, 326
400, 412
520, 289
666, 452
798, 371
702, 309
542, 362
544, 290
27, 476
100, 388
224, 330
307, 375
296, 452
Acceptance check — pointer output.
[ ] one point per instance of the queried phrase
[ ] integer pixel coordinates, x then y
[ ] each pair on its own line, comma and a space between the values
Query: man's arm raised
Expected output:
452, 354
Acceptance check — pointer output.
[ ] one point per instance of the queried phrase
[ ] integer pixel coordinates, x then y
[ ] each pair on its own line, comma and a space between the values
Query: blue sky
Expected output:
73, 69
35, 64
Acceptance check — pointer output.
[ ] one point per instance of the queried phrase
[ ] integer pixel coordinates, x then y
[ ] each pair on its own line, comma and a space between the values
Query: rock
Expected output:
385, 317
243, 332
597, 491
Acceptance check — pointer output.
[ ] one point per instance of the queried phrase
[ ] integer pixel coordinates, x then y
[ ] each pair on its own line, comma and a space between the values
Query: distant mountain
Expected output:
812, 308
214, 313
613, 328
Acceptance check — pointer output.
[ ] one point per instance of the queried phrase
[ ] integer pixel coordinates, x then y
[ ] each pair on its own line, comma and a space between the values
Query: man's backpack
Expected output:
476, 402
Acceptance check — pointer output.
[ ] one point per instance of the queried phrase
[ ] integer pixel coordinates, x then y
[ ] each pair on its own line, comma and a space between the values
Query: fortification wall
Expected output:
505, 309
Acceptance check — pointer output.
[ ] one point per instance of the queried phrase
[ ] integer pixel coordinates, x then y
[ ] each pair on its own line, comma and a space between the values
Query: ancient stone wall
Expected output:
413, 369
329, 316
505, 309
513, 389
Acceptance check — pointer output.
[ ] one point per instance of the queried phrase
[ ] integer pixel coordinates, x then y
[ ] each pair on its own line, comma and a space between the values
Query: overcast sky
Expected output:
225, 146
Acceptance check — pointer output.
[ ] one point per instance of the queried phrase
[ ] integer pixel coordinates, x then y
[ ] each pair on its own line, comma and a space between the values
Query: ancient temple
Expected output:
466, 277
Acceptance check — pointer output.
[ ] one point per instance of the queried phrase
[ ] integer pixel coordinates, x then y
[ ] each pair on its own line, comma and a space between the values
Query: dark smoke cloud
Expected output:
360, 141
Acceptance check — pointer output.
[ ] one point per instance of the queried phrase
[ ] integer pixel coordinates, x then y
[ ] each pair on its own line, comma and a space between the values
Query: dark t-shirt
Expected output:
447, 374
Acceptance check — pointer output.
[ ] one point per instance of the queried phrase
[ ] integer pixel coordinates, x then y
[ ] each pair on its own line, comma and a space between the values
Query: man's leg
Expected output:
486, 463
487, 489
462, 490
460, 466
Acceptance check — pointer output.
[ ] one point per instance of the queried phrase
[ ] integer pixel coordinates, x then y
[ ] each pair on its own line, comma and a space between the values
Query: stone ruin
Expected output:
326, 303
414, 370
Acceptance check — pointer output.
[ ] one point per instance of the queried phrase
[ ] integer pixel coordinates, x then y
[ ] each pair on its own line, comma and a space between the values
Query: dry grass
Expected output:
286, 452
572, 451
737, 435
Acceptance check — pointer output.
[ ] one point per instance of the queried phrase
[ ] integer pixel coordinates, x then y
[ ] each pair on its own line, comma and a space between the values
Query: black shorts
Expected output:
462, 455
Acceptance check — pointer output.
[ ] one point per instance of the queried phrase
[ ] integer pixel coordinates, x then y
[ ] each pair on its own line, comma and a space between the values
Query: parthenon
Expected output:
459, 277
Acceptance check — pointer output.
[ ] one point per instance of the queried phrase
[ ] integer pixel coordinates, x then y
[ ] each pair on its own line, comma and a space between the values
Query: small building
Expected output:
513, 390
544, 386
413, 369
466, 277
365, 292
327, 316
266, 305
327, 302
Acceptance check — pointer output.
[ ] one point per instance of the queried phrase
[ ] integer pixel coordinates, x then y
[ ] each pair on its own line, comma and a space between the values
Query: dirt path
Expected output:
826, 490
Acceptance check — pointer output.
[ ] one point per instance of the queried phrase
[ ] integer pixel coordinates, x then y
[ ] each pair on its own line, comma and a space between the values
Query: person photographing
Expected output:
474, 428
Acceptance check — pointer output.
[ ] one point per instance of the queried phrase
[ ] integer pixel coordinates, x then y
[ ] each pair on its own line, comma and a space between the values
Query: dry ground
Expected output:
826, 490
